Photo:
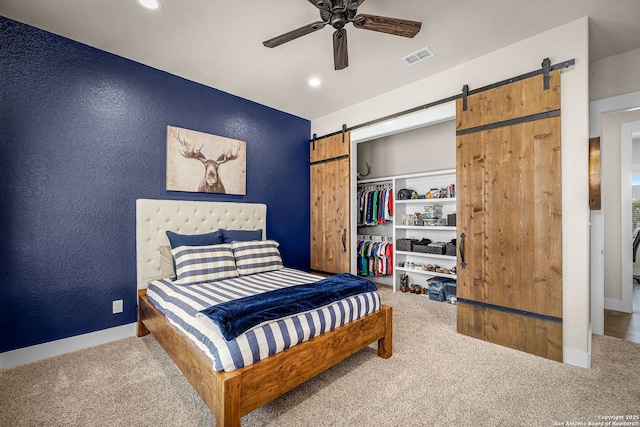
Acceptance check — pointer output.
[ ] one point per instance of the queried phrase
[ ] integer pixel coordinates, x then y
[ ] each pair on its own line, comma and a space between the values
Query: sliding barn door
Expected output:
330, 200
509, 216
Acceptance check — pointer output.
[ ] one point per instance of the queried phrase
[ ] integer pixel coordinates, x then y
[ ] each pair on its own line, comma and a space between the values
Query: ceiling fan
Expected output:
339, 13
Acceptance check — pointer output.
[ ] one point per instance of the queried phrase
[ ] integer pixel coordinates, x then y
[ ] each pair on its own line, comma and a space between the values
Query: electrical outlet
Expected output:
117, 306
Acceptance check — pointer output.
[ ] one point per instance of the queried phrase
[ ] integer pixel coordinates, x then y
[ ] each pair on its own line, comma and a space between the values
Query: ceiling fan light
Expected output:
150, 4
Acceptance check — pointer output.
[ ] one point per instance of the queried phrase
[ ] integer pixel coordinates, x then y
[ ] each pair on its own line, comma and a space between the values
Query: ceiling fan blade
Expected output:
354, 4
325, 5
291, 35
340, 54
383, 24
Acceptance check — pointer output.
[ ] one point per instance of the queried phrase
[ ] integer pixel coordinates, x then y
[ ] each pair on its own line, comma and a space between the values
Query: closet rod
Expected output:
560, 65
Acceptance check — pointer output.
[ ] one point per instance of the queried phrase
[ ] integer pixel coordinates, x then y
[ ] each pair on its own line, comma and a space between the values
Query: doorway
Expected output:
624, 322
614, 243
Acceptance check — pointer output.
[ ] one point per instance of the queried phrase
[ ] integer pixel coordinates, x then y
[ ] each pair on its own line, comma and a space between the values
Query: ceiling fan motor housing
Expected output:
338, 20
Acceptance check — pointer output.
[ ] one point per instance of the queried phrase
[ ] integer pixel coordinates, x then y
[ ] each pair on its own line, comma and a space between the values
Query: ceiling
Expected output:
219, 43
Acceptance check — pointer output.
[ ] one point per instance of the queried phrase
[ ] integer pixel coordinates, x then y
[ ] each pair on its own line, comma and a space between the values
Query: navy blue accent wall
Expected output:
82, 136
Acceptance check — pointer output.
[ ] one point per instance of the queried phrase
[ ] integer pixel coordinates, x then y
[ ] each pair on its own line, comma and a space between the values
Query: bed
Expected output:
233, 394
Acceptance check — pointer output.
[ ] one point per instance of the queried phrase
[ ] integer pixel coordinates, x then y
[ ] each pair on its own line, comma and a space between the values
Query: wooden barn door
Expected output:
330, 201
509, 216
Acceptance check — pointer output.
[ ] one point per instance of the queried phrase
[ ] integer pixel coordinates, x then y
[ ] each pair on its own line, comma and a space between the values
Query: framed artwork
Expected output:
205, 163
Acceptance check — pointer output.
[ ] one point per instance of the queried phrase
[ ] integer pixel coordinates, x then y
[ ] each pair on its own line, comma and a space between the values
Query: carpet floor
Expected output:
436, 377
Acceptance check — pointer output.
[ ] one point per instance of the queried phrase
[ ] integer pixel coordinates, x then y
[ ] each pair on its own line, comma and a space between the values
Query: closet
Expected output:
411, 156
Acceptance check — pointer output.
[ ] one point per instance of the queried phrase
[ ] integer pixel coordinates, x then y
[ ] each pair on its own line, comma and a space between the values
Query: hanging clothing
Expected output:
375, 258
375, 206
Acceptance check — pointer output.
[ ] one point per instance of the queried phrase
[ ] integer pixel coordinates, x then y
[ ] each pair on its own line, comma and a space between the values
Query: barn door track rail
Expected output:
545, 69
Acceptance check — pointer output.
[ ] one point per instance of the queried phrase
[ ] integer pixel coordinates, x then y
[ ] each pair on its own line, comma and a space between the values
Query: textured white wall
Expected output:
420, 150
615, 75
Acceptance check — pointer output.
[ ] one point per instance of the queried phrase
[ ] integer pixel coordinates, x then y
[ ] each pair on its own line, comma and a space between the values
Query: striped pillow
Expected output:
257, 256
196, 264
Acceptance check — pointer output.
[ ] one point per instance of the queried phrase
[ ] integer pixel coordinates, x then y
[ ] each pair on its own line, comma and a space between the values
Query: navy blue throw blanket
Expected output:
237, 316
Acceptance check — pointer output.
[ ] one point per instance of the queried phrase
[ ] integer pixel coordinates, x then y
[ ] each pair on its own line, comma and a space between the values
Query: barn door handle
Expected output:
344, 240
462, 263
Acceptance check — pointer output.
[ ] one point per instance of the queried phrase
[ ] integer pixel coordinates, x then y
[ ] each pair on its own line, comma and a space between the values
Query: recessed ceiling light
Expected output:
315, 82
150, 4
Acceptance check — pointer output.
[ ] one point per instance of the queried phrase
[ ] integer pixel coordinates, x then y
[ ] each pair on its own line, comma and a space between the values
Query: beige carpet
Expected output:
435, 378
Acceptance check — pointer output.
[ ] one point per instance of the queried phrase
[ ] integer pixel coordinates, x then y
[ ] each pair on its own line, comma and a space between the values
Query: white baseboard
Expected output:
615, 305
21, 356
576, 358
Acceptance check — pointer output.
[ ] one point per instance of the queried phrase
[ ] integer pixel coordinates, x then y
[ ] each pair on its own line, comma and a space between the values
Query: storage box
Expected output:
417, 247
437, 296
451, 248
450, 289
444, 284
404, 244
436, 290
432, 211
451, 220
437, 248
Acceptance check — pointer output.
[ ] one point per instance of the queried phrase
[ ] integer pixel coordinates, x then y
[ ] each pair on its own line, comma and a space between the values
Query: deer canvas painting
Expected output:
200, 162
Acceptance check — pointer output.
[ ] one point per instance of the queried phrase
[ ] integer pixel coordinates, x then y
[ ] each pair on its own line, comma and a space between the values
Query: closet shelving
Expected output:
422, 183
395, 229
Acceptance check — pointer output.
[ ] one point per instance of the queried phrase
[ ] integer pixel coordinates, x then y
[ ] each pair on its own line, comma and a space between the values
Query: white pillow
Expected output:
256, 256
197, 264
166, 263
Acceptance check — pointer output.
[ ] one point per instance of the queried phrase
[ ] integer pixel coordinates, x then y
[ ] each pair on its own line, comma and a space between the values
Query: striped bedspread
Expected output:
181, 303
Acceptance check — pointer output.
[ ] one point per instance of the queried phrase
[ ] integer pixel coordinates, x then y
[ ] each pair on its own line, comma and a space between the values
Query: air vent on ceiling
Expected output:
418, 56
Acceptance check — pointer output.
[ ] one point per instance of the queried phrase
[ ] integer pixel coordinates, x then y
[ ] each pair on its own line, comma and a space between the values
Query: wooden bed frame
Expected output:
231, 395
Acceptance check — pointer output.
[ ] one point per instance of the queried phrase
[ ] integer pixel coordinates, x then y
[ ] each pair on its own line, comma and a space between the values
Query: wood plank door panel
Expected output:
508, 102
330, 147
531, 335
509, 208
330, 213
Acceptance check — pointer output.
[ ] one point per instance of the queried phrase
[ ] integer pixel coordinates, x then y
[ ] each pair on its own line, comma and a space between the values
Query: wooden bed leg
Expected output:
142, 330
228, 401
385, 344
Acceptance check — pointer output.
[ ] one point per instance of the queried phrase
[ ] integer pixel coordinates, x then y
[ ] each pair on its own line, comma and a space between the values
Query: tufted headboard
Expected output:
154, 217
